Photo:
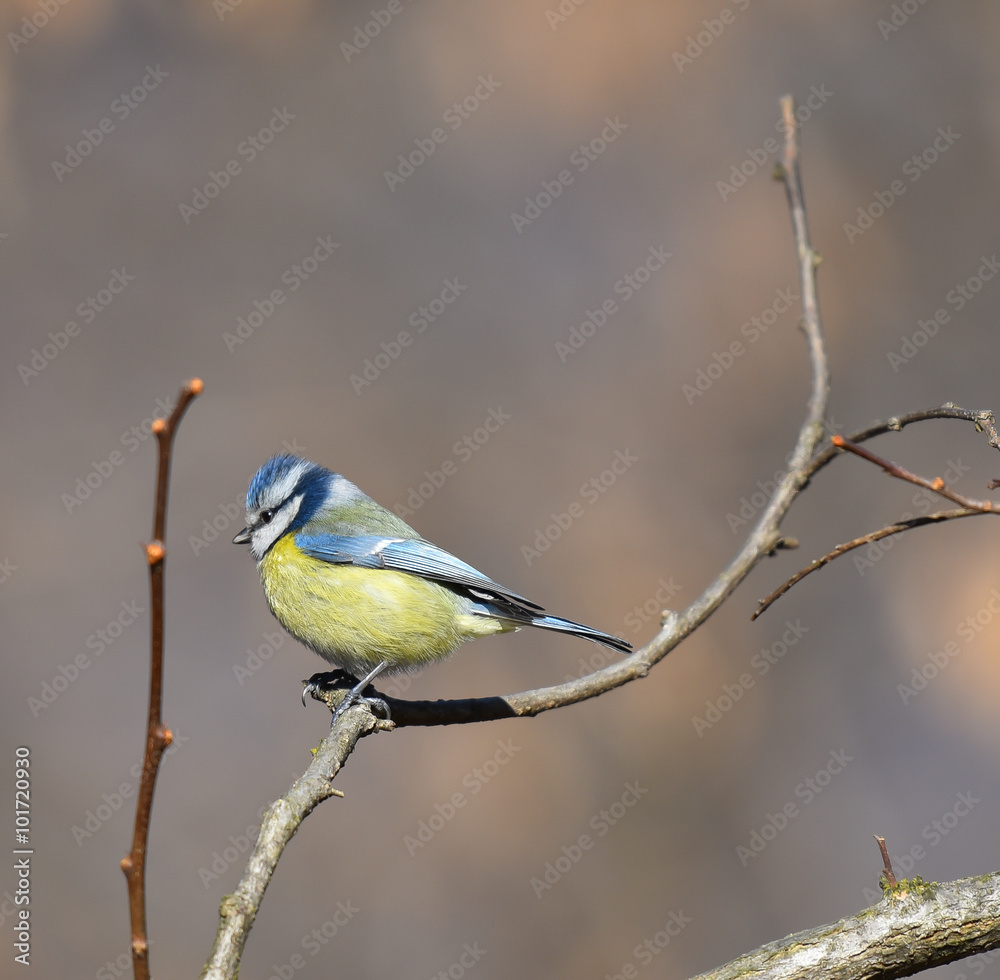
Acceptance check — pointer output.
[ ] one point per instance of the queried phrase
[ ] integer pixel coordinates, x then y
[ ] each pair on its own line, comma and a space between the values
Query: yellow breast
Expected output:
357, 617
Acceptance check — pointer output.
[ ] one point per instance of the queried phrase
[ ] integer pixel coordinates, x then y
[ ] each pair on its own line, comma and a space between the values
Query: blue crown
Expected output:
312, 483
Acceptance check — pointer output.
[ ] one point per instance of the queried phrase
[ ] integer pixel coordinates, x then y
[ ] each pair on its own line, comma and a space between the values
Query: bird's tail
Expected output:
578, 629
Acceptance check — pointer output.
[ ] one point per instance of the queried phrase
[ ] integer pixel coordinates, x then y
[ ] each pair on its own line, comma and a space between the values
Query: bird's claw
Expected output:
354, 697
320, 683
325, 680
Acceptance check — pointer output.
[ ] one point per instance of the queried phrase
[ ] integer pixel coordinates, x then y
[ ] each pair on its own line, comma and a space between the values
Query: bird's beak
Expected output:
243, 537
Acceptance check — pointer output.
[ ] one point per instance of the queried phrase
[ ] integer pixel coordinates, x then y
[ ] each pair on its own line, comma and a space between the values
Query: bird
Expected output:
355, 583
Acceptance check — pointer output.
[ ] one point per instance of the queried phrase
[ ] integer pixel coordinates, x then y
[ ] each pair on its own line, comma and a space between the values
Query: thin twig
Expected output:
158, 737
969, 506
887, 872
983, 419
884, 532
937, 485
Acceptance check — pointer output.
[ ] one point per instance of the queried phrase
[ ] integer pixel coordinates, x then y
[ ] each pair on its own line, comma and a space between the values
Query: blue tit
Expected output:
356, 584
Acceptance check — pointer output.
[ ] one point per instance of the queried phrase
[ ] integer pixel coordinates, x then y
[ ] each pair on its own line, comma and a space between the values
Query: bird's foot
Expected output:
328, 687
323, 684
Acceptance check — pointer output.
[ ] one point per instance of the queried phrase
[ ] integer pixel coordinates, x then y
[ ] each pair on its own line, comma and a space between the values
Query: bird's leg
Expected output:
354, 696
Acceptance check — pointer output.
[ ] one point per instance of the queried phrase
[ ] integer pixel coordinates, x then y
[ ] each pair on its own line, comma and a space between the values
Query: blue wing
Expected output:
419, 557
413, 555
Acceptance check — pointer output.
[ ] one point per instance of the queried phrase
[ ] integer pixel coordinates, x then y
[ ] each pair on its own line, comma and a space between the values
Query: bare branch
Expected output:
884, 532
916, 926
937, 485
969, 506
282, 819
158, 737
984, 421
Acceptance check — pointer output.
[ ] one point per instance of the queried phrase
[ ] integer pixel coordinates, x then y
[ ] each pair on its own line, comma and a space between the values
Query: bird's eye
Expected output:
266, 516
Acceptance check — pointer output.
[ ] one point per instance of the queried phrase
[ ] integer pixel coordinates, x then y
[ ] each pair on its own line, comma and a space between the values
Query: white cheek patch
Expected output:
267, 534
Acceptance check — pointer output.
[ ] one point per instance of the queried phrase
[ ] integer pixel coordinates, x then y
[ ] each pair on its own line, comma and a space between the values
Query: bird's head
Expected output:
284, 495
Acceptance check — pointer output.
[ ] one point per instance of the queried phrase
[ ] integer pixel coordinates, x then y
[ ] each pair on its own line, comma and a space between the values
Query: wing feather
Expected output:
413, 555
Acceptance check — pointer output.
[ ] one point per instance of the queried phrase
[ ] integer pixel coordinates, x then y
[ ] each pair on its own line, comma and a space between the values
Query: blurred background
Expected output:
476, 256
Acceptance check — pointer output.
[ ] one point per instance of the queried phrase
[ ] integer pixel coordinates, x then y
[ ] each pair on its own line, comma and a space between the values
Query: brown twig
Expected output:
887, 872
968, 506
871, 537
158, 737
984, 421
937, 485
